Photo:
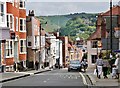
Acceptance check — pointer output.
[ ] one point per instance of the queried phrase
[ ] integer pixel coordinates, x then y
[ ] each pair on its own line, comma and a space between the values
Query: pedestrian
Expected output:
84, 64
14, 66
99, 64
36, 65
115, 67
106, 65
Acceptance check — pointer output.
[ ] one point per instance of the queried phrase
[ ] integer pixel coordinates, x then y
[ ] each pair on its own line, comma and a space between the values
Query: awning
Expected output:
116, 51
4, 33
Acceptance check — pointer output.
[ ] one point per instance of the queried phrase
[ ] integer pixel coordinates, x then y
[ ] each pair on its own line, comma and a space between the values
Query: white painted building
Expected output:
52, 60
59, 52
93, 51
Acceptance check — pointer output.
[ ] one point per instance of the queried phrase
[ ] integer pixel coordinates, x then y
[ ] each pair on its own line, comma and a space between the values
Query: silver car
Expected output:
74, 65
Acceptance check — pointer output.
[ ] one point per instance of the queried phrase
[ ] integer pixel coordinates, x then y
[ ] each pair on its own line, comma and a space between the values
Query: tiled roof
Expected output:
115, 11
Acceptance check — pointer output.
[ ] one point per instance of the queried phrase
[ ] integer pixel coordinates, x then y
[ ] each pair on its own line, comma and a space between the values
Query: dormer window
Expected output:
22, 4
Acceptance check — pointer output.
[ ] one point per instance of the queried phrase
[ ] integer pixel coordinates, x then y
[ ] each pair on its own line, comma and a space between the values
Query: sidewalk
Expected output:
7, 76
101, 82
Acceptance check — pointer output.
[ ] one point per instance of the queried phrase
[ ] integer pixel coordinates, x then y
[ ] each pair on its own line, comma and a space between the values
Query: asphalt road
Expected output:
53, 78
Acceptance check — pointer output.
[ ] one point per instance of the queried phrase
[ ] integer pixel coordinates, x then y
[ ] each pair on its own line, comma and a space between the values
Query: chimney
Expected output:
31, 13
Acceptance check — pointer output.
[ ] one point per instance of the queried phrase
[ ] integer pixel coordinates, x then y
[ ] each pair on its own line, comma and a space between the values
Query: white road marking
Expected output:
84, 80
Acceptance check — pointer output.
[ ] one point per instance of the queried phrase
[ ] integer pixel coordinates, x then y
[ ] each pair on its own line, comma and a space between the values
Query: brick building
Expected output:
33, 39
16, 21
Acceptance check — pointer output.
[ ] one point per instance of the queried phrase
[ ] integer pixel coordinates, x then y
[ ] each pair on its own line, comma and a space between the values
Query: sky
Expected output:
61, 7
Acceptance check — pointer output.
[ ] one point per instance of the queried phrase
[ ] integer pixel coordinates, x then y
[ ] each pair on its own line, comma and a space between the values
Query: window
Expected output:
22, 4
1, 12
9, 48
22, 25
10, 21
22, 46
35, 40
94, 44
93, 58
29, 44
16, 23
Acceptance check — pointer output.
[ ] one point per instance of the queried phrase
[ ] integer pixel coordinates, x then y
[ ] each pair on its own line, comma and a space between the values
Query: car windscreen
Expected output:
74, 62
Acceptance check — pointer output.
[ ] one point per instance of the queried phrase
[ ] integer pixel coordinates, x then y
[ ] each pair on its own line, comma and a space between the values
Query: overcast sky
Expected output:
60, 7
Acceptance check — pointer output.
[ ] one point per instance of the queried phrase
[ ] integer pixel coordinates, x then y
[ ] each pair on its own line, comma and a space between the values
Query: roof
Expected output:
69, 46
115, 11
96, 35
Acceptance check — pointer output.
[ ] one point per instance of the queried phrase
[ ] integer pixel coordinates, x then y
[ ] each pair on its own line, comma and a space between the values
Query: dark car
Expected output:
74, 65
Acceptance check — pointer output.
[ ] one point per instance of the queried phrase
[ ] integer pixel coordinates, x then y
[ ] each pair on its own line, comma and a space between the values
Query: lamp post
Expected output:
111, 25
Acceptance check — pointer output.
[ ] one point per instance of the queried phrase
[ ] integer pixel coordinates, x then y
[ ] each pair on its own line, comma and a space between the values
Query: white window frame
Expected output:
24, 46
23, 3
16, 23
8, 21
24, 24
8, 48
2, 14
16, 3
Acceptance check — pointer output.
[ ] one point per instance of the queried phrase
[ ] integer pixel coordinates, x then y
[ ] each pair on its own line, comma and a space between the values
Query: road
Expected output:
53, 78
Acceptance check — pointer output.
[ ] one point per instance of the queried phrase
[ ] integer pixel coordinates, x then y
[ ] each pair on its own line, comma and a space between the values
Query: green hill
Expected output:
73, 25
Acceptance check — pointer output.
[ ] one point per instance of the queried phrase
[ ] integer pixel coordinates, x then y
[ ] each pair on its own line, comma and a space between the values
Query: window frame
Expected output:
2, 14
94, 58
16, 24
23, 25
23, 4
9, 21
9, 49
24, 46
94, 44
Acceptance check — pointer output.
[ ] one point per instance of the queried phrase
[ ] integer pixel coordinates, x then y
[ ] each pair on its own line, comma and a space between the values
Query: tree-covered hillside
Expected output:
73, 25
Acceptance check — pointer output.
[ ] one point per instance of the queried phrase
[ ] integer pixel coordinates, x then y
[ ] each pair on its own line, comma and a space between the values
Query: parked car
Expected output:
74, 65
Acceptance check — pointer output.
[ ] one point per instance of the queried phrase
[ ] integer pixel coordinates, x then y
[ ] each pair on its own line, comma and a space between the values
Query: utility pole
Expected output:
40, 48
111, 25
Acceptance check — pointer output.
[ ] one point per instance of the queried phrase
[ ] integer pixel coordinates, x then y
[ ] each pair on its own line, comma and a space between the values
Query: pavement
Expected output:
101, 82
8, 76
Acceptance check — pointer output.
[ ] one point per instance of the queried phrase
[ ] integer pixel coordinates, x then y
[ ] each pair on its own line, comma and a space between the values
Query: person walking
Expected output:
115, 67
106, 65
36, 65
84, 64
99, 64
14, 66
